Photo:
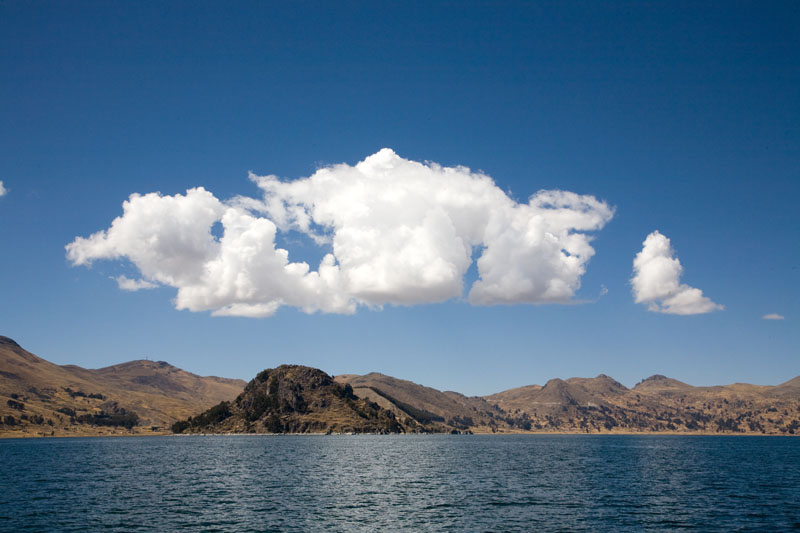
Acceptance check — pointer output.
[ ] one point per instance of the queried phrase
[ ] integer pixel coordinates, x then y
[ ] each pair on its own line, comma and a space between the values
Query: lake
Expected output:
401, 483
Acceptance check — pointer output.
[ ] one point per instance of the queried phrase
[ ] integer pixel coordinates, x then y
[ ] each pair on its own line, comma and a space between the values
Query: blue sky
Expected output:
684, 118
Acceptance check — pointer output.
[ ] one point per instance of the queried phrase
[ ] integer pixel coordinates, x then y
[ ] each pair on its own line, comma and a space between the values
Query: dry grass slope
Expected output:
40, 398
426, 409
657, 404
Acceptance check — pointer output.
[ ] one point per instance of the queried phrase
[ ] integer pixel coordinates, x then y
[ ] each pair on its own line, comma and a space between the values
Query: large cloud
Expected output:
398, 232
656, 281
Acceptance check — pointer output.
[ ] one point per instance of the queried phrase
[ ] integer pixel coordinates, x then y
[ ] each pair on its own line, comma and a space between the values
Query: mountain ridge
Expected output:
38, 397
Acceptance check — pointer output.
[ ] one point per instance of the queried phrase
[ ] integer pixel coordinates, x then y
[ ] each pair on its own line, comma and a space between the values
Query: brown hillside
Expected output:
40, 398
659, 383
789, 388
510, 399
602, 385
558, 395
425, 406
656, 404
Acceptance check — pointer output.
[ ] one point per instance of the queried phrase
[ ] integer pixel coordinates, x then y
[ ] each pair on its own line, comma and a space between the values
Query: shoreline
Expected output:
474, 434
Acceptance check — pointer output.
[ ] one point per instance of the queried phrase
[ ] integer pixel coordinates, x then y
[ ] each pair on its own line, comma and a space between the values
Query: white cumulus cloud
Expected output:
773, 316
3, 190
656, 281
397, 232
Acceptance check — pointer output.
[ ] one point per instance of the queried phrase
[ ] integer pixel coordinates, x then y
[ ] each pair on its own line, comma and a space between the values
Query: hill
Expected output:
656, 404
145, 397
424, 407
38, 397
293, 399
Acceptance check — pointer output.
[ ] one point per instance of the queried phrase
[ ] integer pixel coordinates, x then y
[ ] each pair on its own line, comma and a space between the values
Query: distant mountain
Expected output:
602, 385
39, 397
425, 408
293, 399
659, 383
558, 393
789, 388
599, 404
656, 404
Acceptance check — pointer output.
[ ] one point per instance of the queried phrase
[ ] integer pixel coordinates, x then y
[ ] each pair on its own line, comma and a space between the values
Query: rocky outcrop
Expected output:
293, 399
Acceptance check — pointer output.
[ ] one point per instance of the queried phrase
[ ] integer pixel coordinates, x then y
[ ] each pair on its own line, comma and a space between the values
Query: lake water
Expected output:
401, 483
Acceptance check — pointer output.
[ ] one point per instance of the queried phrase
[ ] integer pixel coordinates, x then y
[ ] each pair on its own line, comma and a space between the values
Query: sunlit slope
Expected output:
39, 397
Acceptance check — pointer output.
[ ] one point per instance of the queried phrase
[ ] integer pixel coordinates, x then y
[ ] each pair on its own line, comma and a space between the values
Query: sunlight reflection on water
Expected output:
400, 483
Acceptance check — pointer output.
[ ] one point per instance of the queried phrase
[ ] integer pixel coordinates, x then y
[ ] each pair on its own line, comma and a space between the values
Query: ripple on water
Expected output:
401, 483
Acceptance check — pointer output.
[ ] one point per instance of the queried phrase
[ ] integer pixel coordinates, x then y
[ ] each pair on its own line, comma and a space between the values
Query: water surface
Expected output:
401, 483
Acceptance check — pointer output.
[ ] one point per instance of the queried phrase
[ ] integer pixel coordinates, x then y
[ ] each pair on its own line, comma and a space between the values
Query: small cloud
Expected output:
603, 290
3, 190
773, 316
131, 285
656, 281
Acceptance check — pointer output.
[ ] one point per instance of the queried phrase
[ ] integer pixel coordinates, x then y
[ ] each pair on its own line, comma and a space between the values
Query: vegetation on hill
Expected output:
293, 399
656, 404
424, 409
40, 398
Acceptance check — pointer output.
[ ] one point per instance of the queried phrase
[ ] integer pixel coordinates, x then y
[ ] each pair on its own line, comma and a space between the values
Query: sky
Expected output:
470, 195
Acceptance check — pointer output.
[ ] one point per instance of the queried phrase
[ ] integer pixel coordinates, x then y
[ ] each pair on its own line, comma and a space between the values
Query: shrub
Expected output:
75, 393
258, 406
273, 424
727, 424
119, 418
19, 406
180, 426
213, 416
